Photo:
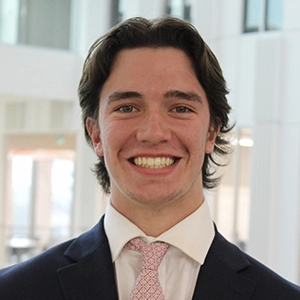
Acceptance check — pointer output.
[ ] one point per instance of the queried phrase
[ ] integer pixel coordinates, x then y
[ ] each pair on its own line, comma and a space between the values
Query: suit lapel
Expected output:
90, 274
219, 276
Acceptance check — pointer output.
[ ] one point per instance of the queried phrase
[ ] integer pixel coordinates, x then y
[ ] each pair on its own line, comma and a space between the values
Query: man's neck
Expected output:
155, 220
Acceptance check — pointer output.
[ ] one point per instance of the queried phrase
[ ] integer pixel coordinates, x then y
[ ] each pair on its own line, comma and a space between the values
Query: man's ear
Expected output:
211, 138
94, 132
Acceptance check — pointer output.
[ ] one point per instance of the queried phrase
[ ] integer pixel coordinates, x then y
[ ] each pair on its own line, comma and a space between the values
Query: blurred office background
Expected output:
48, 193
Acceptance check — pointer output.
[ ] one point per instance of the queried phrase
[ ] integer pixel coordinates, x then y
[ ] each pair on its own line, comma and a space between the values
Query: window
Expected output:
253, 16
273, 14
22, 174
117, 11
41, 189
179, 8
262, 15
9, 15
230, 203
34, 22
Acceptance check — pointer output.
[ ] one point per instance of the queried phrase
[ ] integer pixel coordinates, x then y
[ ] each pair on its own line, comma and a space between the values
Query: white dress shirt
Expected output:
189, 242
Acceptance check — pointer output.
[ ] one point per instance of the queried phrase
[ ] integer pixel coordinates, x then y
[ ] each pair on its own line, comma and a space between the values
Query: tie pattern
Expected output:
147, 285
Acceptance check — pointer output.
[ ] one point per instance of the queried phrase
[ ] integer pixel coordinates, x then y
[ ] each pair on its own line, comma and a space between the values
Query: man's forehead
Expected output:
140, 50
166, 72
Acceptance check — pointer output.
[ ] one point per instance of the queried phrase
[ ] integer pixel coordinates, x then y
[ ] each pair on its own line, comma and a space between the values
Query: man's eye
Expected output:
181, 109
126, 109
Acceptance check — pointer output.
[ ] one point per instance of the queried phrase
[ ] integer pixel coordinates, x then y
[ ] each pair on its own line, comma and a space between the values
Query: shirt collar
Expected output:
193, 235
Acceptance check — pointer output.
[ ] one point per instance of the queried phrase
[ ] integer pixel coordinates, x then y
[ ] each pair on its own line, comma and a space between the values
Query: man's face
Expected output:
154, 128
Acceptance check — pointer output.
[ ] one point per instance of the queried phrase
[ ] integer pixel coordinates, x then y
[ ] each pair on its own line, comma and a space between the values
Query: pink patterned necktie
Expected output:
147, 285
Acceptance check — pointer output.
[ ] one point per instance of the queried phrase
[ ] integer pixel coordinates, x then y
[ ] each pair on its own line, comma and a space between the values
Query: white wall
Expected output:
275, 210
29, 72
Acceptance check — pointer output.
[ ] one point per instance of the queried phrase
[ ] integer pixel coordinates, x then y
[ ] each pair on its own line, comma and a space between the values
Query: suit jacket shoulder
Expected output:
36, 277
228, 273
77, 269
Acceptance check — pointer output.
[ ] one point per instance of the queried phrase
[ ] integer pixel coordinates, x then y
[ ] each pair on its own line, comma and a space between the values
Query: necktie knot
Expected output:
152, 253
147, 285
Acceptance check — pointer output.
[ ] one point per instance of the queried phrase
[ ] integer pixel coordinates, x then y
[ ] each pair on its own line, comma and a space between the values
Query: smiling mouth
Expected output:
154, 162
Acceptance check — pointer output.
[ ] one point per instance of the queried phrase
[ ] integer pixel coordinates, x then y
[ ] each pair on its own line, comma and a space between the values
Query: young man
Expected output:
154, 108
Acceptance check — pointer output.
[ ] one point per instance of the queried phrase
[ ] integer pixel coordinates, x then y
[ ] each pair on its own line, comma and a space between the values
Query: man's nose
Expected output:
154, 128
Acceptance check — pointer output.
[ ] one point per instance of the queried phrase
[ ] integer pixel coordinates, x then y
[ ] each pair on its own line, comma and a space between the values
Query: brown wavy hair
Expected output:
158, 33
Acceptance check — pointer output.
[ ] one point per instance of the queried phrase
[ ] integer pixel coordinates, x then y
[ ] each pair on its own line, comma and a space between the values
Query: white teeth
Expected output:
157, 161
150, 162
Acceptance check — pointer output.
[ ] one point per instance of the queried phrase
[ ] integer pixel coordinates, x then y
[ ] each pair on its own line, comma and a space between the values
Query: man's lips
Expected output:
153, 162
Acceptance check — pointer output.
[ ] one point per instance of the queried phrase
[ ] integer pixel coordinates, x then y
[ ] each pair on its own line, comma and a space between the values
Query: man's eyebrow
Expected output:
123, 95
183, 95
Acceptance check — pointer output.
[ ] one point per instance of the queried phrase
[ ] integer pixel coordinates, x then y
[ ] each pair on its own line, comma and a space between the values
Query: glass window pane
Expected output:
35, 22
274, 14
187, 10
116, 11
62, 180
41, 195
175, 8
21, 195
9, 21
253, 15
230, 205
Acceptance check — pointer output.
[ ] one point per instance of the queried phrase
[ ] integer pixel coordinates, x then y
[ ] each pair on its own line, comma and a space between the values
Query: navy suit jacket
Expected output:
82, 269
